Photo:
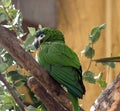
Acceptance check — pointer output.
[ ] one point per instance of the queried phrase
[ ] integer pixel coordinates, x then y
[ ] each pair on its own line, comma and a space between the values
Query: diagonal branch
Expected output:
42, 93
11, 44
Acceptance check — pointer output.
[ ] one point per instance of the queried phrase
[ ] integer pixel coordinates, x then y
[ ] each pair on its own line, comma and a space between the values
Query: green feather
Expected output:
58, 53
74, 101
67, 76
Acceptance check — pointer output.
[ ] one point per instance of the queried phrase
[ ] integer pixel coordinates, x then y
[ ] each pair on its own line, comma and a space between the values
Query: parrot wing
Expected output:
63, 65
58, 54
70, 78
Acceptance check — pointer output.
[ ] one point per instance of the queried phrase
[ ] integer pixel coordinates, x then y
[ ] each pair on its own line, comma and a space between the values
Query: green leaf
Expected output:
15, 75
110, 64
2, 17
7, 99
32, 30
102, 26
19, 83
22, 97
6, 3
102, 83
89, 77
31, 108
95, 33
16, 19
3, 67
99, 80
8, 59
41, 108
28, 43
88, 51
13, 12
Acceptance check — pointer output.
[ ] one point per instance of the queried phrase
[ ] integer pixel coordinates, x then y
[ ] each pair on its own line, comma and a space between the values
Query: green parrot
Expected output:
61, 63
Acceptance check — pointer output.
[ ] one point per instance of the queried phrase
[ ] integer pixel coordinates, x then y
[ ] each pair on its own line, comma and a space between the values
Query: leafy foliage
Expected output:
95, 33
6, 100
110, 64
30, 38
89, 52
89, 76
93, 38
11, 18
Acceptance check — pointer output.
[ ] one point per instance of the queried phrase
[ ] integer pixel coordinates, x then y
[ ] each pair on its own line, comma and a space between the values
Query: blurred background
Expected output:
76, 18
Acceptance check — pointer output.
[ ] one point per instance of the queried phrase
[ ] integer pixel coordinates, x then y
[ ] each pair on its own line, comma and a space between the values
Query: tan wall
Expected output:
76, 18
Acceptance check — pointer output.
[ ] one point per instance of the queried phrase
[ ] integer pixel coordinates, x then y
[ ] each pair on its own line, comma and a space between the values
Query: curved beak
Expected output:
36, 43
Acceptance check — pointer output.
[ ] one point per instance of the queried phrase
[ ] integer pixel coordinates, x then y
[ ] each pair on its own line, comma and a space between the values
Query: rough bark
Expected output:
52, 88
109, 100
42, 93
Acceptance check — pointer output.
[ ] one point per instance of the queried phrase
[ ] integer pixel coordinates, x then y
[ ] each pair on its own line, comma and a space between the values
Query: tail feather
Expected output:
74, 101
69, 77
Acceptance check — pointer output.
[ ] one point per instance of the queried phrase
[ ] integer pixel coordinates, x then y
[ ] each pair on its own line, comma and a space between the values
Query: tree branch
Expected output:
12, 92
11, 44
42, 93
109, 100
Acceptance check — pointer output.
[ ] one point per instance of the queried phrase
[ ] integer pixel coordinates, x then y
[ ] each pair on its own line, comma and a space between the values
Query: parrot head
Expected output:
48, 35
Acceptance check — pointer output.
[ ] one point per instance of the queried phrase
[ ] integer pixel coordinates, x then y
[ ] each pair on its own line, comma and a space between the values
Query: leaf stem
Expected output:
89, 65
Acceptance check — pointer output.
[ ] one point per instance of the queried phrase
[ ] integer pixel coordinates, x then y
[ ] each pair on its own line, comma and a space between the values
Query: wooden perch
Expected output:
41, 92
109, 100
46, 83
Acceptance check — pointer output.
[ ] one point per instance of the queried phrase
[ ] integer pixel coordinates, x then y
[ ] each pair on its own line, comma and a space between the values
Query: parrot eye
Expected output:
42, 35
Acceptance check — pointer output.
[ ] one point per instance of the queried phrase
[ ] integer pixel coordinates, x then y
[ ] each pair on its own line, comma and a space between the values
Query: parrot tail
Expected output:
74, 101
